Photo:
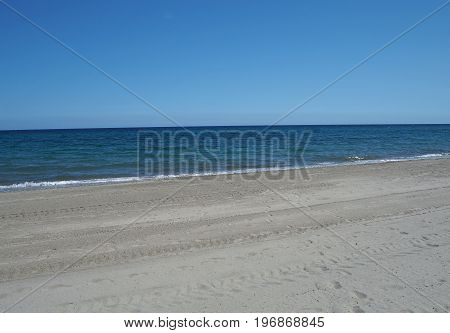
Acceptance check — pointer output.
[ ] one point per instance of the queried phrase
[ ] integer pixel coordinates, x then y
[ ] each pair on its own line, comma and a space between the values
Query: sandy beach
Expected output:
367, 238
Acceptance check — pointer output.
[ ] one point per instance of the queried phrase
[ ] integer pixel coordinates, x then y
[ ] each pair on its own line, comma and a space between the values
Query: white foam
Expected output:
356, 158
66, 183
69, 183
383, 160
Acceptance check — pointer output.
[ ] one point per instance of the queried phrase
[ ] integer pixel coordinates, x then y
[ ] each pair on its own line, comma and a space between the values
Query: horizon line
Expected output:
198, 126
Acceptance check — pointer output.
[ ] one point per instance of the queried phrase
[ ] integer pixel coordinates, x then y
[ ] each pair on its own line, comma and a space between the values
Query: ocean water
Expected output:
51, 158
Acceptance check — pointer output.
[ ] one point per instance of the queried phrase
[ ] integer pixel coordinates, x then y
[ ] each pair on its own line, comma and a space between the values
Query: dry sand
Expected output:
372, 238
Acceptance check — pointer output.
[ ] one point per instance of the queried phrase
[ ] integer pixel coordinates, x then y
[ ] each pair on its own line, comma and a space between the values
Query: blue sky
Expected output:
222, 63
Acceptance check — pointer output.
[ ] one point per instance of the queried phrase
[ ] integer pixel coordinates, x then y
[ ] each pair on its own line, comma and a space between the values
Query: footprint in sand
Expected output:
357, 309
337, 285
185, 268
360, 295
133, 275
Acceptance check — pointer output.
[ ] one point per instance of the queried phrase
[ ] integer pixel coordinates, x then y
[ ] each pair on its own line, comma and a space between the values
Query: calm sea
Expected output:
50, 158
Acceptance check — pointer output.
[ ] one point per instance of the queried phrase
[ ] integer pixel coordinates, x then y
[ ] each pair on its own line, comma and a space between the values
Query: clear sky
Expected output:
222, 63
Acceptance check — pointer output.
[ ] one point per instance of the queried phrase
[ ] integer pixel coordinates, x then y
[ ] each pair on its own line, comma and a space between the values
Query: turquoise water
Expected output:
48, 158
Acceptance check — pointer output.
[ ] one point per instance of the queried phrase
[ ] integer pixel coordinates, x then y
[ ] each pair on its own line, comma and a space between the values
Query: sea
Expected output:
31, 159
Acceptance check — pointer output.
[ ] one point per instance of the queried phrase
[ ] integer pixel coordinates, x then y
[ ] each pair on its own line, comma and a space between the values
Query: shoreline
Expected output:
229, 244
31, 186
